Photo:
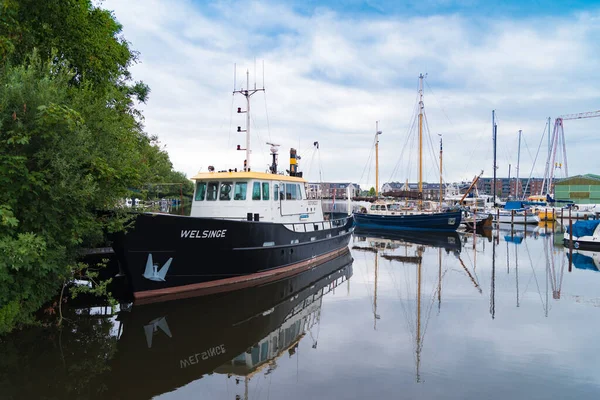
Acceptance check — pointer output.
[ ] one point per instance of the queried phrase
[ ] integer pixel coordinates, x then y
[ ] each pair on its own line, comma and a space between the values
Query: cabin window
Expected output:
256, 191
225, 191
276, 192
298, 192
373, 207
211, 193
265, 190
240, 190
290, 191
200, 191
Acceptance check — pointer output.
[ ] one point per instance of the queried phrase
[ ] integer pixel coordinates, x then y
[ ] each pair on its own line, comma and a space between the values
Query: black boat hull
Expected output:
442, 222
198, 256
194, 337
582, 244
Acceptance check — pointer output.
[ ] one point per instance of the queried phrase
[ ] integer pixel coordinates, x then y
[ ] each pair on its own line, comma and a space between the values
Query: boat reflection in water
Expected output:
584, 259
415, 244
167, 345
447, 240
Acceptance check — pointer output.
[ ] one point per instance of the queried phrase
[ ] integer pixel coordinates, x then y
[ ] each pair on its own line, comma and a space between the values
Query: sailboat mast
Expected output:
518, 162
494, 131
441, 191
377, 133
420, 140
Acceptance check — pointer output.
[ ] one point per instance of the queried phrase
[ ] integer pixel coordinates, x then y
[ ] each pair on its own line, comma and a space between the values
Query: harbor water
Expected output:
508, 314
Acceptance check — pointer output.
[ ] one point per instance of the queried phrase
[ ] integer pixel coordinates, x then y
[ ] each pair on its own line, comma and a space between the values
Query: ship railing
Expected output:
316, 226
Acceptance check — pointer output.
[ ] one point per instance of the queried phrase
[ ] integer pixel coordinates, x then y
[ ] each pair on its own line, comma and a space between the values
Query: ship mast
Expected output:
247, 93
518, 186
441, 190
494, 133
421, 141
377, 133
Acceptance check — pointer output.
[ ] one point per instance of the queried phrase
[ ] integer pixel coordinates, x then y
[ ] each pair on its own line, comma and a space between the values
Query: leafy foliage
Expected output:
71, 145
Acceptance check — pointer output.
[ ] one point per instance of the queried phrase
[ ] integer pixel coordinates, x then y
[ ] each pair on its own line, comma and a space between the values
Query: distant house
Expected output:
509, 187
430, 190
331, 189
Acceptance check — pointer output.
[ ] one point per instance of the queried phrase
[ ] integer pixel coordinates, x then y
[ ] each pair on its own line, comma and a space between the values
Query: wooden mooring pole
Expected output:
570, 241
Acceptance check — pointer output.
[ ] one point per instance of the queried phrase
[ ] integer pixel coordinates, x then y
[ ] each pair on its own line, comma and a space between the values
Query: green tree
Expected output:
71, 144
372, 191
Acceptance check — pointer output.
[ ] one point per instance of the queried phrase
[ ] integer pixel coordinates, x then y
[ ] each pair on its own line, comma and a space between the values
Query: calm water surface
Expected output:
417, 317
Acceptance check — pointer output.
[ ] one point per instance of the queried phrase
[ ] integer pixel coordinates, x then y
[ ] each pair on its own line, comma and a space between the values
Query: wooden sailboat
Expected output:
397, 216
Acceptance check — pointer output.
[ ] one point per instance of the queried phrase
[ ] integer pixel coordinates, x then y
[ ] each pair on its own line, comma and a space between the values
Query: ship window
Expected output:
211, 193
200, 191
256, 191
265, 190
276, 192
290, 191
264, 351
299, 192
225, 191
373, 207
240, 190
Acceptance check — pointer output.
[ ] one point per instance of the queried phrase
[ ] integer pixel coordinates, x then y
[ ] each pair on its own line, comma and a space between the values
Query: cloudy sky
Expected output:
331, 69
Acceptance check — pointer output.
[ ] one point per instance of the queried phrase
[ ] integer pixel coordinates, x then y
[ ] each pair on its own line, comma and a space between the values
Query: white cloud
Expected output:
329, 77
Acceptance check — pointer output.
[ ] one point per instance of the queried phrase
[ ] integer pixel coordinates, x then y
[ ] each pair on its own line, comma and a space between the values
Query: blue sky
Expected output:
334, 68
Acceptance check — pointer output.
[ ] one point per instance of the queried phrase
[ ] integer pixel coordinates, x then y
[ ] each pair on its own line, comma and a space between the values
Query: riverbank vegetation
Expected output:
72, 144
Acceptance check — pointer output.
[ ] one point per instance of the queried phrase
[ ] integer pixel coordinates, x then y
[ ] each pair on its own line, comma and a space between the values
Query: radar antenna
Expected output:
274, 150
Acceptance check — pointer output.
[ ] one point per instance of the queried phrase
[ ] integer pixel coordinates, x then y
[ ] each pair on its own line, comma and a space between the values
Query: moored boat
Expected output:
517, 212
584, 234
246, 228
477, 220
405, 216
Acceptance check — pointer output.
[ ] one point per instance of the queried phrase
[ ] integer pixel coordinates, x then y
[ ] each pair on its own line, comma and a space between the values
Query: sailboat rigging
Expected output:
396, 215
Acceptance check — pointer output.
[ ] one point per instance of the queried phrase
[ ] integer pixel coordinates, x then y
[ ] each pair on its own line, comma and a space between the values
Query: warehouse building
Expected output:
581, 189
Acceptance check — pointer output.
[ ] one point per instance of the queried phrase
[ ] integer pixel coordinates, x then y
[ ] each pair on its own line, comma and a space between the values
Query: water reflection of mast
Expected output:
418, 350
439, 279
555, 278
375, 316
493, 289
517, 274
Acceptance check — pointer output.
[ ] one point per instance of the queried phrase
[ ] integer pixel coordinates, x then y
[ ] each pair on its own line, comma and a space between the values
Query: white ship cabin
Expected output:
254, 196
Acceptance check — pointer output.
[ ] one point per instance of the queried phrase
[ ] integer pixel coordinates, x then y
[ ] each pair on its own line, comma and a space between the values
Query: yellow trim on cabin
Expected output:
293, 161
245, 175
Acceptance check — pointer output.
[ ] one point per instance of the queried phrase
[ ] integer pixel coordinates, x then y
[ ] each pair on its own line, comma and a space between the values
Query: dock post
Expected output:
561, 217
525, 217
570, 240
512, 218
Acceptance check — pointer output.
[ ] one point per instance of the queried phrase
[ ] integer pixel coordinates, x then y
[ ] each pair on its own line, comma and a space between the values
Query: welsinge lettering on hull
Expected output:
206, 234
203, 356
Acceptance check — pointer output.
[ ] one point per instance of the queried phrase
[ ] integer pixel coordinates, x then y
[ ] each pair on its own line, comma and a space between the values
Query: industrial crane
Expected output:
558, 140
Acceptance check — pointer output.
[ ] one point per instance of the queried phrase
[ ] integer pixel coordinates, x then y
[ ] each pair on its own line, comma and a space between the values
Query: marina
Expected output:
194, 203
416, 314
